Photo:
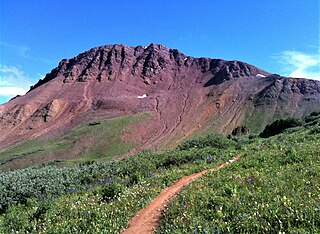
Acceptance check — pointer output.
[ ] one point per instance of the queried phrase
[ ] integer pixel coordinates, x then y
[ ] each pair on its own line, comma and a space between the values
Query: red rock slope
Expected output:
184, 94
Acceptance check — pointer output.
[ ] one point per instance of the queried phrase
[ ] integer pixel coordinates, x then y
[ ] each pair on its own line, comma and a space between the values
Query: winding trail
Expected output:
145, 221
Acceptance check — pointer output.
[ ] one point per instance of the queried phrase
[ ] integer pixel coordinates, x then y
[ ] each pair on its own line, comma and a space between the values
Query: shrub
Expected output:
111, 191
49, 181
315, 131
136, 177
315, 113
279, 126
211, 140
312, 119
240, 131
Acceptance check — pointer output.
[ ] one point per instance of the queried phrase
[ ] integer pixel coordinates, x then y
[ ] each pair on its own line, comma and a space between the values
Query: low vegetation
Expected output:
96, 140
279, 126
211, 140
273, 188
100, 197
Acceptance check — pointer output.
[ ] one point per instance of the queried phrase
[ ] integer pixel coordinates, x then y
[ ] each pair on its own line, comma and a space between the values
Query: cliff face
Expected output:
115, 62
183, 94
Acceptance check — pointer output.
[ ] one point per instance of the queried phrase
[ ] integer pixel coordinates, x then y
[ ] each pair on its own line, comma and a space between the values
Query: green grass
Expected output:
255, 121
98, 140
82, 207
274, 188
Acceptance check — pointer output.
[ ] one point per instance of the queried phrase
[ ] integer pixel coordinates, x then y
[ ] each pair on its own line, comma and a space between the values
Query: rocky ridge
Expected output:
112, 61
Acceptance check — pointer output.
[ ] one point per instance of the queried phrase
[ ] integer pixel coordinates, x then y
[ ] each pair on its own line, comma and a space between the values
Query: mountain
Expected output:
121, 99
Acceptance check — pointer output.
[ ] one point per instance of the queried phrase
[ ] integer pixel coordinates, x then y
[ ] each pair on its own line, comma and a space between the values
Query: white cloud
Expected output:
13, 81
12, 91
300, 65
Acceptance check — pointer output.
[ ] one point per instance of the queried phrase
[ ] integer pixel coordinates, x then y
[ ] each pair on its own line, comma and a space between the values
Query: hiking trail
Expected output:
147, 219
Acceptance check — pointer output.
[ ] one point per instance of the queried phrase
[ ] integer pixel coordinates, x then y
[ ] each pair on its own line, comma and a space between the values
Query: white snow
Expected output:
185, 59
260, 75
143, 96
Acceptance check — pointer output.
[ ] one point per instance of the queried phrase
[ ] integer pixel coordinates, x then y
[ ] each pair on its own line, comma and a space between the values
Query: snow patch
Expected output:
185, 59
260, 75
143, 96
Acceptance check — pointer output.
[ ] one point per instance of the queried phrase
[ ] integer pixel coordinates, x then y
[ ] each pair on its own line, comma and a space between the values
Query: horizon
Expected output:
277, 36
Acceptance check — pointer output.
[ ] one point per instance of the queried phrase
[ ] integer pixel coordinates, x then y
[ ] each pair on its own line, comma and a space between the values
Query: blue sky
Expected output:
280, 36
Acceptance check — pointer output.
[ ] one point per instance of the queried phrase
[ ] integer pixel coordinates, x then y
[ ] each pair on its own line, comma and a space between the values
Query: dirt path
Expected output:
145, 221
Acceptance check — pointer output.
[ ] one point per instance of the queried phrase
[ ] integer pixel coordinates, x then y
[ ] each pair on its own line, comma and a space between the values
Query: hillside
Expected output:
272, 188
178, 95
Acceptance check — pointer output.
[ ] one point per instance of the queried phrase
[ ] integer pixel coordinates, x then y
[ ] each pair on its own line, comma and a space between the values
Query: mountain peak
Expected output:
181, 94
109, 61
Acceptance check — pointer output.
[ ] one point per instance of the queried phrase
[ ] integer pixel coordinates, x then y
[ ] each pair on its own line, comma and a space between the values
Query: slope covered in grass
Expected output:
96, 198
96, 140
274, 188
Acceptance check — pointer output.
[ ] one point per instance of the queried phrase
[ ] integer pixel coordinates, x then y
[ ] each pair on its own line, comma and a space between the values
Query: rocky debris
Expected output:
47, 112
150, 62
16, 115
284, 89
178, 57
228, 70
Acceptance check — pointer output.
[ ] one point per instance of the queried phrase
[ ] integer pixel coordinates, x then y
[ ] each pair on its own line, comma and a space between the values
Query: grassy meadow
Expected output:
98, 140
273, 188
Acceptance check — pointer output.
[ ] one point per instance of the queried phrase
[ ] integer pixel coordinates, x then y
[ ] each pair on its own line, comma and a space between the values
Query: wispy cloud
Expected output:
182, 38
299, 64
24, 52
20, 50
13, 81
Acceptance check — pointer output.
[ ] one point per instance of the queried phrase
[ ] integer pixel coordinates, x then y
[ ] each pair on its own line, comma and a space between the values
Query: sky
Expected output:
279, 36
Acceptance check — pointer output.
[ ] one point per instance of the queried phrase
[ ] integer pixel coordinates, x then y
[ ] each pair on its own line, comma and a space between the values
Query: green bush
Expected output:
313, 119
115, 195
290, 156
315, 130
136, 177
240, 131
211, 140
315, 113
111, 191
279, 126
